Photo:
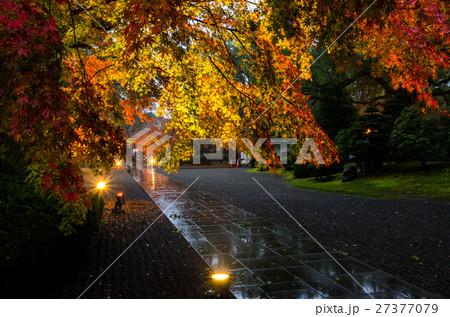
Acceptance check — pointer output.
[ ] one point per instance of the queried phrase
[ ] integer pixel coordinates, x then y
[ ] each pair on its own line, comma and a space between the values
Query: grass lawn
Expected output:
393, 181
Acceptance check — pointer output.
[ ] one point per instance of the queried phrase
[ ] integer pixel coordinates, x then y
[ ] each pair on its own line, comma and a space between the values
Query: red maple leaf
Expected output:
23, 99
14, 24
22, 51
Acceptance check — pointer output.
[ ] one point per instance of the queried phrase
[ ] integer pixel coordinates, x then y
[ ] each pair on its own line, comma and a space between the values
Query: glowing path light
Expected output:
101, 185
220, 283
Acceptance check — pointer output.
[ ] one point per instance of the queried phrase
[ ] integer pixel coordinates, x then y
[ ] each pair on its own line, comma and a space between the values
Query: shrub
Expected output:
28, 232
320, 172
301, 171
419, 136
291, 161
33, 250
262, 167
82, 243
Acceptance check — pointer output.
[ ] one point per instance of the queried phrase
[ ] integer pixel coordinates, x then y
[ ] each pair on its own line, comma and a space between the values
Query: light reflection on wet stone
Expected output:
248, 292
263, 259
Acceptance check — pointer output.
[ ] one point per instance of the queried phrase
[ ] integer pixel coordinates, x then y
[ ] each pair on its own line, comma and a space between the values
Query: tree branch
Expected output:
233, 60
81, 45
75, 38
229, 82
100, 70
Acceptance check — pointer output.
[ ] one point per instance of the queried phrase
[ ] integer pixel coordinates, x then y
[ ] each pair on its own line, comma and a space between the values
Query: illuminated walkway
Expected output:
266, 260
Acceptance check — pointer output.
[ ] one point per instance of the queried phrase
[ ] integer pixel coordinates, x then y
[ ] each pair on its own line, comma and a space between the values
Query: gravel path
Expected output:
407, 238
161, 264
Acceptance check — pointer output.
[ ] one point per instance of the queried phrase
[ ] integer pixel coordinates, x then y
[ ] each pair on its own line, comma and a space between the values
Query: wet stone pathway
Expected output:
263, 259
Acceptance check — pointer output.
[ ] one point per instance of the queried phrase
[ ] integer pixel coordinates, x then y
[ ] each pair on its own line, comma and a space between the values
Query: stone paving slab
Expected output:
263, 259
160, 265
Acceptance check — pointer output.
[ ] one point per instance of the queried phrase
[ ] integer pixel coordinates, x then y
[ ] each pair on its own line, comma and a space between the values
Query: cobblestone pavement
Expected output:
266, 260
161, 264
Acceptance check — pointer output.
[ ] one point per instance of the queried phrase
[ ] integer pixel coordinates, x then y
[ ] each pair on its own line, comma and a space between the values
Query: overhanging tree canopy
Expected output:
73, 71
